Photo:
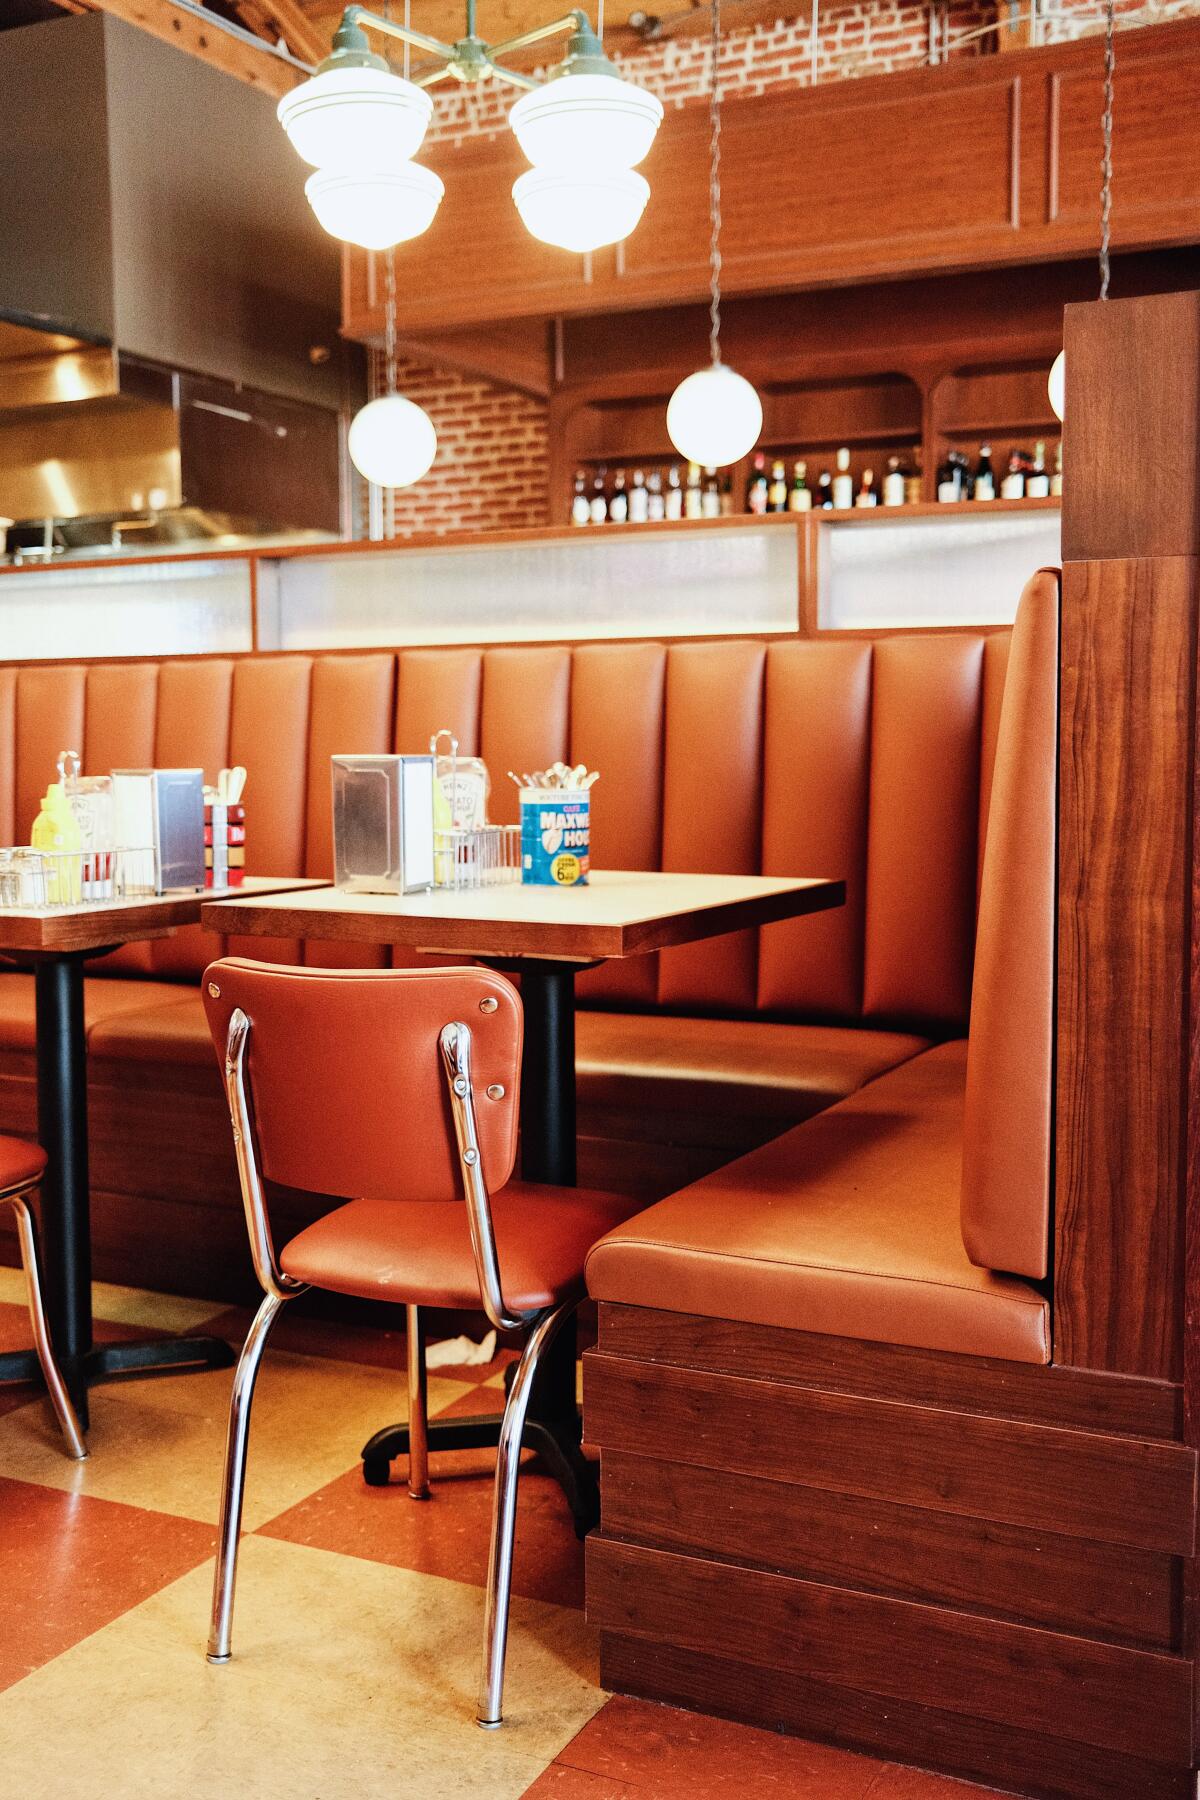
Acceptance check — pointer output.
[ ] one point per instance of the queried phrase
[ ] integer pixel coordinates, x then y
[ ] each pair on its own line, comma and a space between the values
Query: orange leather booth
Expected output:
866, 759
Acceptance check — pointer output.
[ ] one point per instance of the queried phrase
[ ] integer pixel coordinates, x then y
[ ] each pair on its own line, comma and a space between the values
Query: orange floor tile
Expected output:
359, 1610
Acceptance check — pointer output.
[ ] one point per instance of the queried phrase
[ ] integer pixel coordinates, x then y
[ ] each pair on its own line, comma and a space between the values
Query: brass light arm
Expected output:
576, 21
511, 76
357, 17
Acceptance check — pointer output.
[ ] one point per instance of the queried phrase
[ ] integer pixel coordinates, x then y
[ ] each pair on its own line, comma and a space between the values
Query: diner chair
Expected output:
394, 1094
22, 1166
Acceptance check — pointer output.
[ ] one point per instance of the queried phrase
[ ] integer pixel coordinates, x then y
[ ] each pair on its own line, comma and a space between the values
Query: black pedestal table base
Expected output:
552, 1426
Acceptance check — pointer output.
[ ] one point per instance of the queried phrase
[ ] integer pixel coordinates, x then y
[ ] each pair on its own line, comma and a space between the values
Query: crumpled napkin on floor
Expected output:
460, 1352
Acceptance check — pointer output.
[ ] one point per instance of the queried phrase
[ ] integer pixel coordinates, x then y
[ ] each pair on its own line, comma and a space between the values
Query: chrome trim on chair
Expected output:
455, 1041
234, 1478
504, 1515
418, 1408
60, 1400
271, 1278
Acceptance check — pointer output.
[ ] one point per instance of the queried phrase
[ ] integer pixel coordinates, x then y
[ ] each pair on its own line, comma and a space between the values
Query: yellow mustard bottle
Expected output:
56, 829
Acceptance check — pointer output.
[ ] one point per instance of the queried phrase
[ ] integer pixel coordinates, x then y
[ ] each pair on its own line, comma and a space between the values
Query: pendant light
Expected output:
392, 441
1056, 386
714, 416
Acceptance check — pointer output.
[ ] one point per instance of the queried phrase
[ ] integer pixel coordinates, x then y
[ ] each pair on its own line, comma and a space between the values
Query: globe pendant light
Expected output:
714, 416
355, 114
376, 211
1056, 386
392, 441
584, 131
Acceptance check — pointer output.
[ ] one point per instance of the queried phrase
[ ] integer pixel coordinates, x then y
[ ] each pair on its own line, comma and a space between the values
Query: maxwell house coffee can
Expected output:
555, 824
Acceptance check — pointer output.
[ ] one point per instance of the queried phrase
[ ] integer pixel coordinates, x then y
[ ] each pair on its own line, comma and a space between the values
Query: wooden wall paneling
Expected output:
783, 1698
1035, 1578
1013, 1675
1131, 536
1080, 1484
1048, 1396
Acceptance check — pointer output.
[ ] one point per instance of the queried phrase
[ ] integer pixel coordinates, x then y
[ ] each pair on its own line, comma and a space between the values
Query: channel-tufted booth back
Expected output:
865, 759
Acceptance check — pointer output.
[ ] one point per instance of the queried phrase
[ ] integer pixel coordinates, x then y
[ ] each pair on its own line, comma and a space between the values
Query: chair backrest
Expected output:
1005, 1201
346, 1080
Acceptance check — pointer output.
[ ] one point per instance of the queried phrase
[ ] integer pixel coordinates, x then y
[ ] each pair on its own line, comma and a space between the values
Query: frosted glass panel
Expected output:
961, 569
632, 584
141, 609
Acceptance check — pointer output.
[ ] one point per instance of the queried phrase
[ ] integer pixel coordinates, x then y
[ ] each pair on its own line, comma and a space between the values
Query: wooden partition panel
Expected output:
1131, 538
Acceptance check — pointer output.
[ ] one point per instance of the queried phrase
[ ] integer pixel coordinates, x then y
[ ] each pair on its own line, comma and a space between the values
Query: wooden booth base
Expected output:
969, 1565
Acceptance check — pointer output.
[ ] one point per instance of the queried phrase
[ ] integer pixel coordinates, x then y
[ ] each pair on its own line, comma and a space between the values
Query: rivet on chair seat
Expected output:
496, 1091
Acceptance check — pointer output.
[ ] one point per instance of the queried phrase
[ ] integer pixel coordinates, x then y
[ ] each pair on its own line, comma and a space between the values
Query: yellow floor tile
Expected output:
160, 1442
125, 1305
348, 1678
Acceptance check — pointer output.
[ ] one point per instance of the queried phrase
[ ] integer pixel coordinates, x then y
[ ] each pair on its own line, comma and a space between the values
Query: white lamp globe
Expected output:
1056, 387
392, 442
356, 118
714, 417
376, 211
593, 121
580, 209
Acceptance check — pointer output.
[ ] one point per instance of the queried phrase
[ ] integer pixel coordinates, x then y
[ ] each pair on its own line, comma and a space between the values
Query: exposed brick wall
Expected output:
490, 471
491, 468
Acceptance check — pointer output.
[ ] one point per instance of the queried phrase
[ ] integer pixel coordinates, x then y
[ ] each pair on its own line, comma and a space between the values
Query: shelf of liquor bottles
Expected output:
972, 432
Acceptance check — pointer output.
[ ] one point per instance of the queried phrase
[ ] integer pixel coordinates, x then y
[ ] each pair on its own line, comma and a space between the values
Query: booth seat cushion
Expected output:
166, 1030
735, 1069
104, 1001
846, 1225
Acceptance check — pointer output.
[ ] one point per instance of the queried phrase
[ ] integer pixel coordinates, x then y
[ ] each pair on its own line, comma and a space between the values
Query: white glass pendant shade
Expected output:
348, 119
1056, 387
579, 209
714, 417
376, 211
392, 441
586, 121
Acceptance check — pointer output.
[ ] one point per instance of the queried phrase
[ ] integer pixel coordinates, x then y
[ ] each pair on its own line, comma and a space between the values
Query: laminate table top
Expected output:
617, 913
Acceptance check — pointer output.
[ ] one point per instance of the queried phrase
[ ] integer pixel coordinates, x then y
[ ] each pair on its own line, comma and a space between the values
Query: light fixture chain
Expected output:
714, 184
1106, 160
389, 322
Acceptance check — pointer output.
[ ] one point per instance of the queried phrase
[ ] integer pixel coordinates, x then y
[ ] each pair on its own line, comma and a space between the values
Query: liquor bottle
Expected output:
825, 491
618, 506
757, 487
952, 478
1037, 482
655, 504
639, 500
1013, 485
985, 475
674, 504
599, 506
866, 495
727, 496
1056, 478
710, 499
693, 498
581, 512
843, 483
800, 499
777, 493
893, 483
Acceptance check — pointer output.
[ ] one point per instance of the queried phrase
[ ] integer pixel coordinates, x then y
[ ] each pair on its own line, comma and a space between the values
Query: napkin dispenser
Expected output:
159, 828
383, 824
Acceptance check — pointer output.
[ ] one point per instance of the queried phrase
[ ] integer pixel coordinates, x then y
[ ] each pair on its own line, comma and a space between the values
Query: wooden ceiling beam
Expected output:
302, 37
176, 25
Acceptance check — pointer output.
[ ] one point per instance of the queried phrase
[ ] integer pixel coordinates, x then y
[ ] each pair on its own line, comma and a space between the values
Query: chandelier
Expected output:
584, 130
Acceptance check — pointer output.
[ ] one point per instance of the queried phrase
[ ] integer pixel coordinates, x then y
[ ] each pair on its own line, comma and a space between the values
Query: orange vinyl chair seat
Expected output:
419, 1251
20, 1163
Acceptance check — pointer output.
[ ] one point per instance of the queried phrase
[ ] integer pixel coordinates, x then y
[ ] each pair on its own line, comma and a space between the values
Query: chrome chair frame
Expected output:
540, 1327
56, 1388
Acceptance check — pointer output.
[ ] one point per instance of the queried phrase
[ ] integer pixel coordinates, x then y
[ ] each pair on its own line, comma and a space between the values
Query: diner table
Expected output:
56, 942
545, 935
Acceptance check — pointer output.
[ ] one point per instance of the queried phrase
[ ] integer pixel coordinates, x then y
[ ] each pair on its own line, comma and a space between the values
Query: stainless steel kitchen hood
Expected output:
169, 347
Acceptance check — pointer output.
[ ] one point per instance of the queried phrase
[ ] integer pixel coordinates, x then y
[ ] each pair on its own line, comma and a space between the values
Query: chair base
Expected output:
106, 1362
556, 1442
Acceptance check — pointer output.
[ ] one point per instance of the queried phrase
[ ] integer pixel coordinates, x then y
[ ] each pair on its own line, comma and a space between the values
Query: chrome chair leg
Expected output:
51, 1374
504, 1516
418, 1408
234, 1480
